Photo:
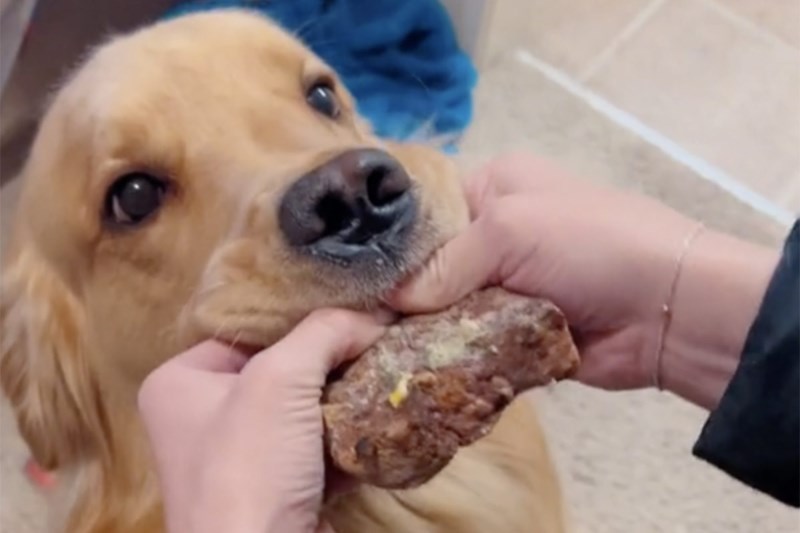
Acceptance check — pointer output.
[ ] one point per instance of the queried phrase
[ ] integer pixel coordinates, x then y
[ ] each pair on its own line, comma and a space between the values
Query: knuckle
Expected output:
515, 159
274, 369
503, 175
434, 285
477, 189
501, 217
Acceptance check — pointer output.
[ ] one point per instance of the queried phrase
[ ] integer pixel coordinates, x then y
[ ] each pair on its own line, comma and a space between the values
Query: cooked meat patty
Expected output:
398, 414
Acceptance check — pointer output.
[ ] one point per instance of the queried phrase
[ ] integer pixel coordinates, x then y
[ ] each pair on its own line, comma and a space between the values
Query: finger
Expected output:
211, 356
338, 334
458, 268
606, 363
463, 265
477, 187
324, 527
322, 341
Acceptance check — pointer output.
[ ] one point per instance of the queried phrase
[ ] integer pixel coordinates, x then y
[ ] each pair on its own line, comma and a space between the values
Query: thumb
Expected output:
211, 356
457, 269
319, 343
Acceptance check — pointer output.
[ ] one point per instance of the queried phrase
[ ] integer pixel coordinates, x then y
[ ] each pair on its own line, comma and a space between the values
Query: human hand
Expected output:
605, 257
238, 441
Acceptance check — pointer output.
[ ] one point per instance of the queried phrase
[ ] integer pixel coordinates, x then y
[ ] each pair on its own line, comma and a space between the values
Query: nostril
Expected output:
385, 185
376, 192
351, 200
335, 214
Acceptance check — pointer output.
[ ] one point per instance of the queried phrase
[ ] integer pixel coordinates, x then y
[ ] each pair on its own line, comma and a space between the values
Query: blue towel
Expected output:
399, 58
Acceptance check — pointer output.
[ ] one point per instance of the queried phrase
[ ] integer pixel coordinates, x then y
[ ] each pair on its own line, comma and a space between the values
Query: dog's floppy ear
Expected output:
44, 370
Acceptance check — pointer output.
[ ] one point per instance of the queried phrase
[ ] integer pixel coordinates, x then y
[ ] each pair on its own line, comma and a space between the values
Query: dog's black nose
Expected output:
358, 200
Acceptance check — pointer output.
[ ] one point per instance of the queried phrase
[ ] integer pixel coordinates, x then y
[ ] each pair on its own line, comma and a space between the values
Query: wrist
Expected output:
259, 519
227, 501
718, 294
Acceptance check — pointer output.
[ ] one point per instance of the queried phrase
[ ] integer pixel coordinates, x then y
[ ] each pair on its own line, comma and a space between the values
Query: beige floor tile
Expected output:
22, 507
517, 108
565, 33
779, 17
717, 89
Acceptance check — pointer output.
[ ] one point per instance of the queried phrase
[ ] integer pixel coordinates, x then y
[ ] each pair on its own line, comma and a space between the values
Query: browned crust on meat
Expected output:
434, 383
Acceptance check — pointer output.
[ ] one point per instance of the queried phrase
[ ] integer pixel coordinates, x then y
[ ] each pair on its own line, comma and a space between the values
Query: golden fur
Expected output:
215, 102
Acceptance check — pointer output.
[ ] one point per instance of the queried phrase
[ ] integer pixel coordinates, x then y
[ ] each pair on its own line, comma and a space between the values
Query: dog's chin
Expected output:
359, 276
361, 283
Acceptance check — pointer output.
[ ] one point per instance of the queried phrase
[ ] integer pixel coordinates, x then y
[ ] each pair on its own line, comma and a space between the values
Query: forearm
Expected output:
721, 285
754, 432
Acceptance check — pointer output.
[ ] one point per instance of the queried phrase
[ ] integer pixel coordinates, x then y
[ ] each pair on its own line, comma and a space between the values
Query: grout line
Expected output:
749, 25
621, 38
666, 145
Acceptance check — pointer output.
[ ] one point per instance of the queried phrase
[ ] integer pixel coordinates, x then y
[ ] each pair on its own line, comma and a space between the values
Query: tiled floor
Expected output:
781, 18
719, 79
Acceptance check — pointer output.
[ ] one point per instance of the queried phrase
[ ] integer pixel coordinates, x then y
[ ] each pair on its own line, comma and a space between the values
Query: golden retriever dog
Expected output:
208, 177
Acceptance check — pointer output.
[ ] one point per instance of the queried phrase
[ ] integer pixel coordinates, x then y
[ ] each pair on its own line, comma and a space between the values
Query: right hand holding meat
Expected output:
607, 259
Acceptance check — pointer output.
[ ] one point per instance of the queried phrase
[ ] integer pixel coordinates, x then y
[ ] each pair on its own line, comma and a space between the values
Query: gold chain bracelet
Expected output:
666, 309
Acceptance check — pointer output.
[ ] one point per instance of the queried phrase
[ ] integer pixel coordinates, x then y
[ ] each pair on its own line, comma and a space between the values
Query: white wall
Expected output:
471, 19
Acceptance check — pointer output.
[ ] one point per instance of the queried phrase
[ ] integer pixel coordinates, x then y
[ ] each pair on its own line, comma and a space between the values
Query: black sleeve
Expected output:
754, 433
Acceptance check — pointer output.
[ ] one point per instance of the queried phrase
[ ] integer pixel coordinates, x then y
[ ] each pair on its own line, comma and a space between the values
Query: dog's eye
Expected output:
322, 98
134, 197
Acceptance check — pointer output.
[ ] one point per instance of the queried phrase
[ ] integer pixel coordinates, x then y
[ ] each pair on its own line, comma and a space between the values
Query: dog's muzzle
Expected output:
359, 206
